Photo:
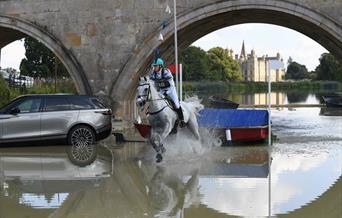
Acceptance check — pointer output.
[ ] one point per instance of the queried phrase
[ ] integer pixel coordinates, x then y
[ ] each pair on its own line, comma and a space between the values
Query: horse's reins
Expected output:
149, 100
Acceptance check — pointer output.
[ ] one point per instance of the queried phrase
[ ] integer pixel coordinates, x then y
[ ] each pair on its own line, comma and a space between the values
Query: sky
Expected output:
12, 54
265, 39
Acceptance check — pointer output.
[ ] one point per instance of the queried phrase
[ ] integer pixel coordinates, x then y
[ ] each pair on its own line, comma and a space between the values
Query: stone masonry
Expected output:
107, 44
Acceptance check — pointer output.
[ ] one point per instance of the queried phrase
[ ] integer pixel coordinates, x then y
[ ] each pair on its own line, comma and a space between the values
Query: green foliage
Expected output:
4, 92
7, 94
40, 61
296, 71
223, 67
212, 65
195, 63
66, 86
329, 68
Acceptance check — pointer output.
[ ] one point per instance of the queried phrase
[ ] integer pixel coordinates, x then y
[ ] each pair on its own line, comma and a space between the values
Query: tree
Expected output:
4, 92
329, 68
40, 61
296, 71
222, 66
195, 62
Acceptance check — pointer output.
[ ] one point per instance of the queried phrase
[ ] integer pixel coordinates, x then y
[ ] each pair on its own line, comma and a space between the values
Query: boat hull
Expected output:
249, 134
222, 103
143, 129
333, 101
242, 134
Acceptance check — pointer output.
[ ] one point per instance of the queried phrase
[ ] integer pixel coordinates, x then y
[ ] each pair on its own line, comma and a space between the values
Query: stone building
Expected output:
255, 68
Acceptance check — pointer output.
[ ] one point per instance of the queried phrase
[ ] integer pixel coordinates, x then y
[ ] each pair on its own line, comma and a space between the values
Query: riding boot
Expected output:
180, 116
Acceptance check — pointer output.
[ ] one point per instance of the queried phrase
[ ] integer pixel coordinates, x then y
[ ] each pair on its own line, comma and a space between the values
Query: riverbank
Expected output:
250, 87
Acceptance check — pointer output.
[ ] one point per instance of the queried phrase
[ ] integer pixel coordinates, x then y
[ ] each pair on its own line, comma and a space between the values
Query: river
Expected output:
304, 179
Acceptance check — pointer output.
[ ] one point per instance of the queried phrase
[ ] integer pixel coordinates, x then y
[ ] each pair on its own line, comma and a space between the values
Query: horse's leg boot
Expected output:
159, 158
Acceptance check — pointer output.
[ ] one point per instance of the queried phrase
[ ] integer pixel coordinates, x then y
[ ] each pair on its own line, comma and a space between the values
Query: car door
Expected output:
57, 117
21, 121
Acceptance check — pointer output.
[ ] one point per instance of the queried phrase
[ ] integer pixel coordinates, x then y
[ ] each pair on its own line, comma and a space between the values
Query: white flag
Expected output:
168, 10
161, 37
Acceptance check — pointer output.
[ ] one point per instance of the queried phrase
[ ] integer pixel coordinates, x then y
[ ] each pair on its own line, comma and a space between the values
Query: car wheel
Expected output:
82, 151
81, 135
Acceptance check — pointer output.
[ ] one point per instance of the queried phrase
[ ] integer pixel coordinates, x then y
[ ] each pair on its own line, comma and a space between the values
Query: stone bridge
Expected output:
107, 44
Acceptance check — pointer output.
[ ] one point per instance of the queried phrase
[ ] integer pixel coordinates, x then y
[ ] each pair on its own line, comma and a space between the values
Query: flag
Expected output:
160, 37
172, 68
168, 9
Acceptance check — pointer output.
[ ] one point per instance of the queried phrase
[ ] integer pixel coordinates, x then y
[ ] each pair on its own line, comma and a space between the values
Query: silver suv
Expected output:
77, 120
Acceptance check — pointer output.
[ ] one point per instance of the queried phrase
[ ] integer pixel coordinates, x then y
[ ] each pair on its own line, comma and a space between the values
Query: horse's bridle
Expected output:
148, 98
146, 95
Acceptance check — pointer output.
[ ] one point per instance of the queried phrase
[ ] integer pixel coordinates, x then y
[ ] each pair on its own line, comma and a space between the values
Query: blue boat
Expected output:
236, 125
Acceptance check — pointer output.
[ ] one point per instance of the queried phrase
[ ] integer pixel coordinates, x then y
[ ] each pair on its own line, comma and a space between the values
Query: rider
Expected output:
163, 81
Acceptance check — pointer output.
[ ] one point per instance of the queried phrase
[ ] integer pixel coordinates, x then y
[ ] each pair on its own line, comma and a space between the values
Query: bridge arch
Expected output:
200, 21
14, 28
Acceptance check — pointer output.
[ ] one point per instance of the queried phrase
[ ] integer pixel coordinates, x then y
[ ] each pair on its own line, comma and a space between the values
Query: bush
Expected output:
9, 93
4, 92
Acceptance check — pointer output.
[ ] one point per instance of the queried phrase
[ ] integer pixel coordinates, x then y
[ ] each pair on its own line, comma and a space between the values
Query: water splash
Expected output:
184, 145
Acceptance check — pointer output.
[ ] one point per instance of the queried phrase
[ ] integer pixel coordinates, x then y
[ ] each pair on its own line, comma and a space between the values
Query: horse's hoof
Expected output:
182, 124
159, 158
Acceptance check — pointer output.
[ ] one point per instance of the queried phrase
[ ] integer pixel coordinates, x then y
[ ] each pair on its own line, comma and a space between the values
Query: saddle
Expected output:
170, 103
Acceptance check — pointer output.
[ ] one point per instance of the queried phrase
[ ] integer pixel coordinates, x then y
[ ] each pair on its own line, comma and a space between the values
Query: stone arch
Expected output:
198, 22
17, 28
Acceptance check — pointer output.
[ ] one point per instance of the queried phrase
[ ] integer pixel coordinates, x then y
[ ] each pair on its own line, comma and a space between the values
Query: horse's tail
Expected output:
195, 103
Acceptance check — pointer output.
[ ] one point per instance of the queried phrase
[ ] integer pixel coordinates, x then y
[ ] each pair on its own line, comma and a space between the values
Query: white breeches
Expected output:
171, 92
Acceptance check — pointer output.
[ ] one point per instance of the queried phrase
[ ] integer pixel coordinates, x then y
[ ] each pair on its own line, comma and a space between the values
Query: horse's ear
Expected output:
145, 78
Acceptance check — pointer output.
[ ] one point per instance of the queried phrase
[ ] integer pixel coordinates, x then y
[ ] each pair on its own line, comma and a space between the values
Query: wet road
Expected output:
194, 180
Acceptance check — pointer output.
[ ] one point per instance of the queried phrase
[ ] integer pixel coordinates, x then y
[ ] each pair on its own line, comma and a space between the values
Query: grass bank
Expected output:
254, 87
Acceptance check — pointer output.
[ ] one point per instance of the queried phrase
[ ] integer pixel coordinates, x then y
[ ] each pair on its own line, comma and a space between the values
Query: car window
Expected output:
28, 105
9, 105
98, 103
80, 103
56, 104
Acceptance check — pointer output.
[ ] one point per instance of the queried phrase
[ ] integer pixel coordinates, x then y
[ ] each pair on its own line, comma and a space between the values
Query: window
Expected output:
97, 103
56, 104
30, 105
78, 103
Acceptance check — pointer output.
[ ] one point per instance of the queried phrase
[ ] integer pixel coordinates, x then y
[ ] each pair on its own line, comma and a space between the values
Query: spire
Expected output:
243, 51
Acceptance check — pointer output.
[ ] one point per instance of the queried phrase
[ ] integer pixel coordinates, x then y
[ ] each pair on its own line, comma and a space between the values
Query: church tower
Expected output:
243, 52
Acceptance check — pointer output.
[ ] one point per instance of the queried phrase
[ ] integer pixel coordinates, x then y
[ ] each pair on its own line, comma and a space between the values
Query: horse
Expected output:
162, 117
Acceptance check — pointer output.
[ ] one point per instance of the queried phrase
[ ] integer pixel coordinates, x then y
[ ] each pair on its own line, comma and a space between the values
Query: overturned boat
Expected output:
219, 102
230, 125
333, 101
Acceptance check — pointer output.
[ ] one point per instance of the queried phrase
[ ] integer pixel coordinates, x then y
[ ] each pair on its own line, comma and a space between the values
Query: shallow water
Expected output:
193, 181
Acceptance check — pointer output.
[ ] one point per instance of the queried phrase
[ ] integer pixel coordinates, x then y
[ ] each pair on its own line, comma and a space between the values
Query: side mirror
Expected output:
14, 111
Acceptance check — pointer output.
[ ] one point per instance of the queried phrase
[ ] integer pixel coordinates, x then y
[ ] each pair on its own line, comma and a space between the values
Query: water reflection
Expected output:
124, 182
261, 98
297, 97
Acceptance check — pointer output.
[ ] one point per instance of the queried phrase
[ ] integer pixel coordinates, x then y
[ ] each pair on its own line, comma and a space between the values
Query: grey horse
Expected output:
162, 117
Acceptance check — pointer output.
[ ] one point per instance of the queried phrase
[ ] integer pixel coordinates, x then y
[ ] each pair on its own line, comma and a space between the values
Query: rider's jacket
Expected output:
163, 80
